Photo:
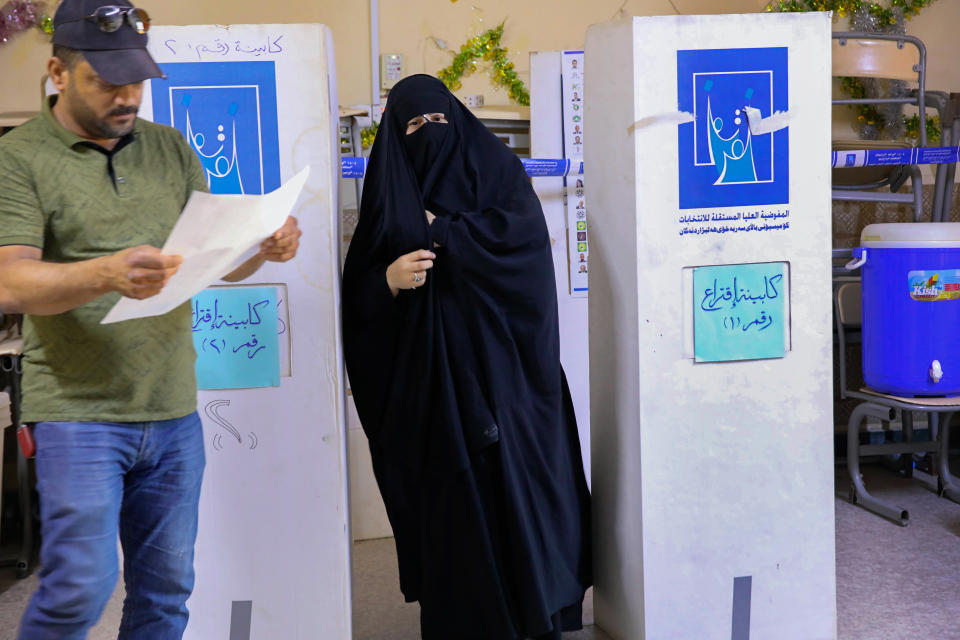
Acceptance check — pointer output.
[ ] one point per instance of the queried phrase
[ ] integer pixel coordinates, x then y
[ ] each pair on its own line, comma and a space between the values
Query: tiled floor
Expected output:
893, 583
379, 610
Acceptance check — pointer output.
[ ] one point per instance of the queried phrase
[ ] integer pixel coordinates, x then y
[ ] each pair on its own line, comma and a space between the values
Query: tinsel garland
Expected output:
486, 47
871, 17
20, 15
883, 15
368, 134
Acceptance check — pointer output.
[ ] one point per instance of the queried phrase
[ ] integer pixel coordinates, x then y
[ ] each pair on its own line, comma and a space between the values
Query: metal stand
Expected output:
944, 483
10, 364
952, 169
947, 487
945, 107
858, 492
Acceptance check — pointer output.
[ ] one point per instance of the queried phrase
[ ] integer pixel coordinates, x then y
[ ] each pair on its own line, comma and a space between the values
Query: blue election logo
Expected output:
227, 111
722, 163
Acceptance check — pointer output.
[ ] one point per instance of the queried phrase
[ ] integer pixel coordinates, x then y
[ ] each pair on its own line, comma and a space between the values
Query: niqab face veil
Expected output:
424, 146
433, 140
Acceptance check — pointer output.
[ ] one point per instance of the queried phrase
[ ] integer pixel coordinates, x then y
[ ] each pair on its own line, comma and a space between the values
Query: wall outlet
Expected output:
474, 100
391, 70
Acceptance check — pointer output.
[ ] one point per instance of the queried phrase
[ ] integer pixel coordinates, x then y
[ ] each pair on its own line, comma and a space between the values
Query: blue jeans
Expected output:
97, 480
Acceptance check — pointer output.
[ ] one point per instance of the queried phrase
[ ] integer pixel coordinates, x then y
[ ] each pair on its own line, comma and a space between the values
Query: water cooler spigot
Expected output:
936, 371
859, 259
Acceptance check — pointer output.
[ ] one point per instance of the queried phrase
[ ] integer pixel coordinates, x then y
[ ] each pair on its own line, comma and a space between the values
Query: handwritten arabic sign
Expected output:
739, 312
267, 45
235, 335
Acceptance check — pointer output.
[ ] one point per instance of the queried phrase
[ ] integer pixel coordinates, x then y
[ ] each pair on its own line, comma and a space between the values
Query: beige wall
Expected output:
531, 25
23, 59
405, 27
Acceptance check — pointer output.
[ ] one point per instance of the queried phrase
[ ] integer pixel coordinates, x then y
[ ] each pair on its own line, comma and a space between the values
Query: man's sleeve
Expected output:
21, 217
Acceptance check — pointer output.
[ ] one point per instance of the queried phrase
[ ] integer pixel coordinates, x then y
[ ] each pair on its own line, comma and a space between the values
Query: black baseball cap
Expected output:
119, 57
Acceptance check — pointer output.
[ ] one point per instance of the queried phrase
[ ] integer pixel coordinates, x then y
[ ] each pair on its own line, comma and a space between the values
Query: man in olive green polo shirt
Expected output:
89, 193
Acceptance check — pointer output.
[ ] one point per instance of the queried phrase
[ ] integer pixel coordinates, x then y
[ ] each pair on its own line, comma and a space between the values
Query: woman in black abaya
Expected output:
452, 348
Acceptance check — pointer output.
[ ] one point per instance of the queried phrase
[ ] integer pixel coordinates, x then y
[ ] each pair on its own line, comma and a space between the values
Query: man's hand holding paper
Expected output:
212, 236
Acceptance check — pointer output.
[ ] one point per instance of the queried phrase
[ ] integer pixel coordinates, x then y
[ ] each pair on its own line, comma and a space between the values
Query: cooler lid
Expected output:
911, 235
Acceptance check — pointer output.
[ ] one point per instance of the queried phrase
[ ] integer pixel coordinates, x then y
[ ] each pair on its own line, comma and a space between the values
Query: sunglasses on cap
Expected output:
110, 18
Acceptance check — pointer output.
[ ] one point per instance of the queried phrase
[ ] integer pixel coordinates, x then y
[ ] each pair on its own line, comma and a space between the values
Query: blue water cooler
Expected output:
911, 308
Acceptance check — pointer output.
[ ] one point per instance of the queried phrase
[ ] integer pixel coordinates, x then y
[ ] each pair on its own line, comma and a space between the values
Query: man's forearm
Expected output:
46, 288
246, 269
281, 246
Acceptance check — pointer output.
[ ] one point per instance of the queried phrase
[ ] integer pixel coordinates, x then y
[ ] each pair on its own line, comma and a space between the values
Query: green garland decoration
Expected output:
368, 135
486, 47
884, 15
853, 87
933, 128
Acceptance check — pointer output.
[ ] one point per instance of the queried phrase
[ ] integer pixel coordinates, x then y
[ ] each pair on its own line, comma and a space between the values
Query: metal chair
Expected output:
10, 370
949, 108
847, 316
870, 55
946, 108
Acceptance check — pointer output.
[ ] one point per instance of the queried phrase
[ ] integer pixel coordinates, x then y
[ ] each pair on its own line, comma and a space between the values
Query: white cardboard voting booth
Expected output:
547, 133
710, 331
258, 104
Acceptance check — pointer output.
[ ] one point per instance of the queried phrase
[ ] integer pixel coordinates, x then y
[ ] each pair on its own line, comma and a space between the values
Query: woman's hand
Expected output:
409, 271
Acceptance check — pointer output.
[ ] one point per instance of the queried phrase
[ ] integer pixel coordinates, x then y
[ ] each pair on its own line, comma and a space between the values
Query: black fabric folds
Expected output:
458, 383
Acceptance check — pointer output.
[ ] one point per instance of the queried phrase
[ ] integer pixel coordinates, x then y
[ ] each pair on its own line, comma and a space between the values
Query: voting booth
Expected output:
556, 131
258, 105
710, 326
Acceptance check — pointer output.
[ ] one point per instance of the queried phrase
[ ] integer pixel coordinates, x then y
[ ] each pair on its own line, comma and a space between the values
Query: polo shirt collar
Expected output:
70, 139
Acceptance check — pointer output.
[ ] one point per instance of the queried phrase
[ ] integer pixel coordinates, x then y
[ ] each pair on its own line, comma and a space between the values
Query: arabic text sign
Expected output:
739, 312
266, 44
235, 335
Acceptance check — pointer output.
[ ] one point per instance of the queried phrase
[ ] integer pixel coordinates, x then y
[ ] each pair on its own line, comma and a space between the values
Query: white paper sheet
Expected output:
213, 233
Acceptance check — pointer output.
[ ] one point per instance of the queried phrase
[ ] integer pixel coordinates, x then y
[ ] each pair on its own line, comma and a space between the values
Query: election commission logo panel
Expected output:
227, 111
723, 163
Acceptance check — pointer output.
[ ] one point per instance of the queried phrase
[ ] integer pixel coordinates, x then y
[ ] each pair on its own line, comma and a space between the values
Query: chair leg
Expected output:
933, 420
939, 193
916, 184
946, 482
25, 487
859, 494
906, 459
25, 555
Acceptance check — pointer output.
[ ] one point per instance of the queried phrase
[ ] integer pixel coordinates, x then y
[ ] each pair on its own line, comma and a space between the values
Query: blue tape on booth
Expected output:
878, 157
543, 168
937, 155
561, 167
353, 167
